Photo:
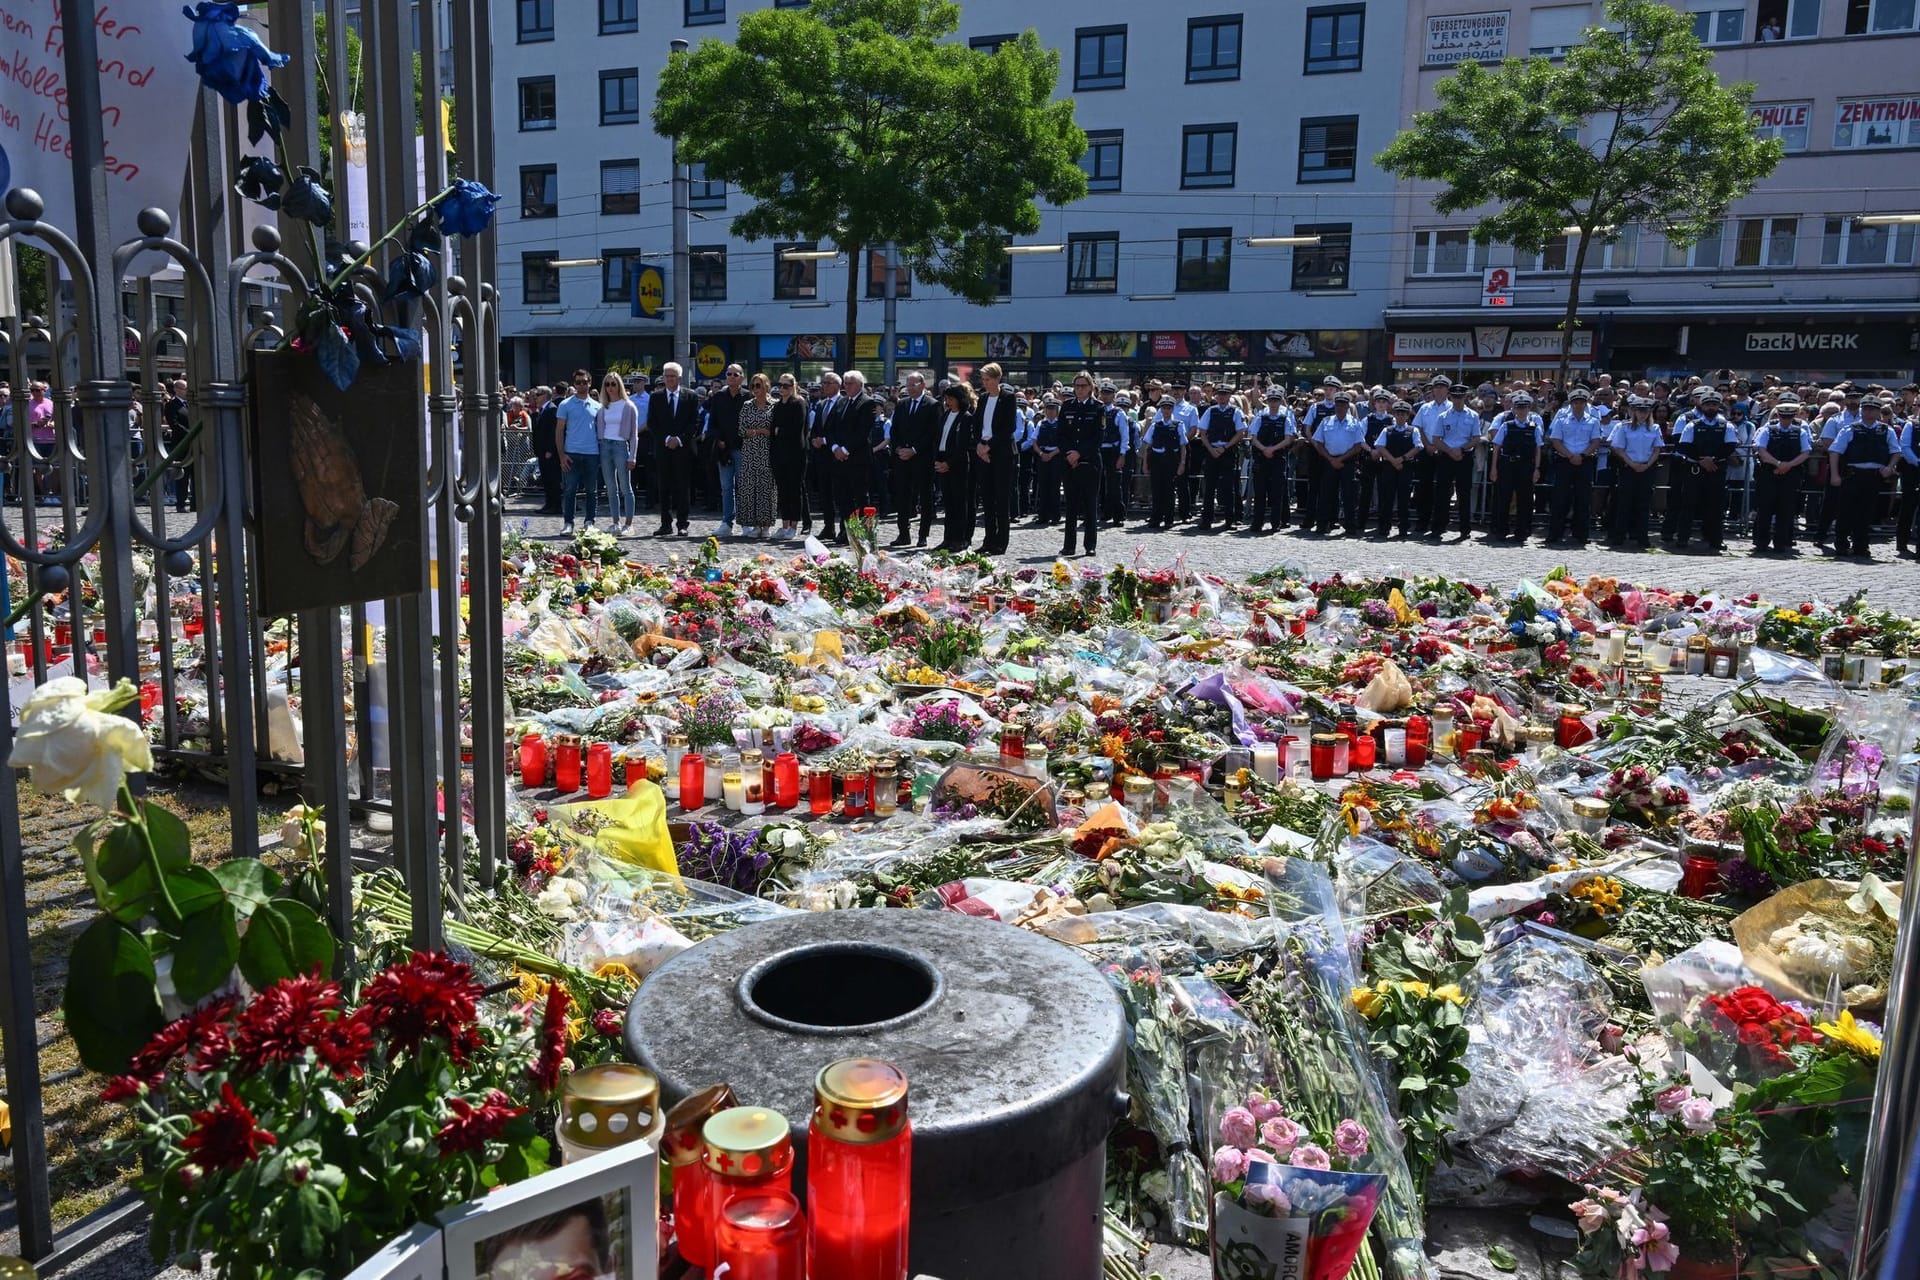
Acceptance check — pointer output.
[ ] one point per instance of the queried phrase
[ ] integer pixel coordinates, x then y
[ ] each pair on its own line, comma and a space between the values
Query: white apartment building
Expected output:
1210, 124
1792, 284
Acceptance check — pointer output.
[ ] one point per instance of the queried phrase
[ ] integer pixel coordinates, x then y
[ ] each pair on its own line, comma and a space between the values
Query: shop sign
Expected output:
710, 360
1313, 344
805, 346
1093, 346
1785, 345
989, 346
1199, 346
1465, 37
1489, 344
649, 293
1876, 122
1445, 346
906, 346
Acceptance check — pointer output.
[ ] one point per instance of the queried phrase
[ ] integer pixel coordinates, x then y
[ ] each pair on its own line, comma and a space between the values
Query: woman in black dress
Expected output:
789, 451
953, 464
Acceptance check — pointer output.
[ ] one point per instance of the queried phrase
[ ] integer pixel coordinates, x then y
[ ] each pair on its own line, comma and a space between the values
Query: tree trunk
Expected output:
854, 253
1573, 308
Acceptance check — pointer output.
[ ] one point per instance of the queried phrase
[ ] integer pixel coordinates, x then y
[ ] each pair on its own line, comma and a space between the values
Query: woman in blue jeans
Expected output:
619, 428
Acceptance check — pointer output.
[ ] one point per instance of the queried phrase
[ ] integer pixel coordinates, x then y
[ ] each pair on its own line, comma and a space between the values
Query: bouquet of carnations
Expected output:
1287, 1202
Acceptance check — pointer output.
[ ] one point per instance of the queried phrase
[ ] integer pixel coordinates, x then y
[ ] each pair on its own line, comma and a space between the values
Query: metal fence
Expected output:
109, 515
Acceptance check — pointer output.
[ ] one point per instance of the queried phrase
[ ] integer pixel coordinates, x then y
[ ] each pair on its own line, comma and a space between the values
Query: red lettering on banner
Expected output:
53, 143
1880, 111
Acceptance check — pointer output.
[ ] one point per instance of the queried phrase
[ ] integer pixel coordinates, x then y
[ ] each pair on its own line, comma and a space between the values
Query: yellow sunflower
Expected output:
1851, 1034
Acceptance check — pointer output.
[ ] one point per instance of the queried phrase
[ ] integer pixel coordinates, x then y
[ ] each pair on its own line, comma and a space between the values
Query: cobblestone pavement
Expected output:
1889, 582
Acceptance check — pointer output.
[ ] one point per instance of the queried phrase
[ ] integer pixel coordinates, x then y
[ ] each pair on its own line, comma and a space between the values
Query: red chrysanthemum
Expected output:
225, 1136
284, 1021
470, 1128
430, 995
200, 1037
344, 1046
545, 1070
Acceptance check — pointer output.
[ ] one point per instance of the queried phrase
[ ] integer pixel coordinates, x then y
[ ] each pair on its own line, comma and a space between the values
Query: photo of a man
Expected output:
575, 1243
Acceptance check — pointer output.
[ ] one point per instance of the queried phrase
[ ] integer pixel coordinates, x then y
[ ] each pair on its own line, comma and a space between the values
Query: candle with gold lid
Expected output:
859, 1172
692, 1228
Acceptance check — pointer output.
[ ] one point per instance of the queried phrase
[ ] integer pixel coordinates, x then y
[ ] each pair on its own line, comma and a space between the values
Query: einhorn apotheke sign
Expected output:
1465, 37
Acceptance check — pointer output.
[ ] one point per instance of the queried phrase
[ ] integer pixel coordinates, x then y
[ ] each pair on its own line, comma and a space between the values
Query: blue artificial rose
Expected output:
410, 275
230, 58
307, 198
467, 209
261, 180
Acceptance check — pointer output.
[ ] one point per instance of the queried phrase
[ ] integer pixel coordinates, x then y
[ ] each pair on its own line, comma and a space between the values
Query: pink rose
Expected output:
1590, 1214
1239, 1128
1229, 1164
1264, 1108
1668, 1101
1309, 1156
1697, 1114
1350, 1138
1281, 1136
1256, 1155
1266, 1198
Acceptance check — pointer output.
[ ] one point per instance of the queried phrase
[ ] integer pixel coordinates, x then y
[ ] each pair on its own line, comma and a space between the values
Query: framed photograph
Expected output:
414, 1256
597, 1219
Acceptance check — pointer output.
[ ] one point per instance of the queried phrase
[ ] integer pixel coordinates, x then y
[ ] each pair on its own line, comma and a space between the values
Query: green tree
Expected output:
1633, 126
860, 122
354, 99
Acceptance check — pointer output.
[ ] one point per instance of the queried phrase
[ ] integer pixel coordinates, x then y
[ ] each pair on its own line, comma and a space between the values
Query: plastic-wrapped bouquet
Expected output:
1288, 1198
938, 722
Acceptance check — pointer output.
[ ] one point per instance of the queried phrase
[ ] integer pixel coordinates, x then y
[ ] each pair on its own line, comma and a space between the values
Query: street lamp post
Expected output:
682, 284
890, 322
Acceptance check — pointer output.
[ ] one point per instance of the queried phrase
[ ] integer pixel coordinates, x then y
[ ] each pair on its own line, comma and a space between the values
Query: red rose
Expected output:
1752, 1033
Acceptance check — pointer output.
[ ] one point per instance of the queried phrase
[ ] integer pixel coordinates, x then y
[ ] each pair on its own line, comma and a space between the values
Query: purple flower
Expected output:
1350, 1138
1310, 1156
1237, 1126
1668, 1101
1229, 1164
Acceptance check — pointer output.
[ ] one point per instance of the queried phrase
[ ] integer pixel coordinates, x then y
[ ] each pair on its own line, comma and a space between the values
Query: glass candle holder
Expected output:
683, 1148
854, 789
748, 1151
693, 781
753, 796
566, 765
1138, 792
599, 770
716, 774
859, 1172
676, 752
786, 780
1700, 876
886, 790
819, 791
733, 790
1573, 729
1322, 753
762, 1237
1361, 752
533, 755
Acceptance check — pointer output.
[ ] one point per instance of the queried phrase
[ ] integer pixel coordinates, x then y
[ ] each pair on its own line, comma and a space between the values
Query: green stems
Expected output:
135, 815
328, 286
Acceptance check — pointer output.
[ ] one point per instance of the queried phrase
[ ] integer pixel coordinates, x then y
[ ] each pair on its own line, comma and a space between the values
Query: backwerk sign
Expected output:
1864, 348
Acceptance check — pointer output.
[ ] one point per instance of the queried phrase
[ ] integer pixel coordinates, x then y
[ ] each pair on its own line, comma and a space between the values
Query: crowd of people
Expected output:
1617, 461
43, 461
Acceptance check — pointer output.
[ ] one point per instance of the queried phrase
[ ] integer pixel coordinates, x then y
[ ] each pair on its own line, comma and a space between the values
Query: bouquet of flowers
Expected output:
938, 722
859, 528
1638, 793
1287, 1198
708, 719
1763, 1030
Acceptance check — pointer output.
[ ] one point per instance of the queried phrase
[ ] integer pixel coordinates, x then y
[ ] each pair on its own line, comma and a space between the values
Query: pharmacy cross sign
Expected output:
1496, 287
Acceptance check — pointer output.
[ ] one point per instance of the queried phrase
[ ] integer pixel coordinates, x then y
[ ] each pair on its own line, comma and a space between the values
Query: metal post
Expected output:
682, 219
892, 287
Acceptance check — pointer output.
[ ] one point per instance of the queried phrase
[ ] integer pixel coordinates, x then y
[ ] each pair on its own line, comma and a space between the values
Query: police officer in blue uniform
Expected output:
1272, 442
1576, 436
1339, 441
1221, 429
1635, 443
1519, 441
1708, 441
1083, 423
1864, 458
1116, 437
1047, 464
1396, 452
1782, 449
1165, 443
1451, 444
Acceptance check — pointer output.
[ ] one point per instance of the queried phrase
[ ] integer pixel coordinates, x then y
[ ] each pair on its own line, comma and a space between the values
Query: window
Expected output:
1849, 244
539, 191
1093, 262
1213, 49
1205, 257
1870, 17
539, 278
706, 13
877, 276
1868, 123
1601, 255
1003, 278
536, 20
1333, 38
990, 44
1786, 121
795, 277
707, 273
1323, 265
619, 186
619, 97
1327, 148
1102, 160
1787, 20
1445, 251
789, 4
1716, 22
705, 194
1099, 58
1207, 155
1557, 29
1765, 242
618, 267
536, 103
618, 17
1703, 253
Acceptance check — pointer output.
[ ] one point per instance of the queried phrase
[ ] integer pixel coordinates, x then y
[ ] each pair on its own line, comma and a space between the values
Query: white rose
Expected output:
72, 742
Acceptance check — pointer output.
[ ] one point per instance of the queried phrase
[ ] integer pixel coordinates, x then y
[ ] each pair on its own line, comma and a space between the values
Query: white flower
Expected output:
73, 743
560, 898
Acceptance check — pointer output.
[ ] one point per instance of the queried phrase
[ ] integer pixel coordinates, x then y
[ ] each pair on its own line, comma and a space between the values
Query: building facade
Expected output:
1211, 124
1792, 284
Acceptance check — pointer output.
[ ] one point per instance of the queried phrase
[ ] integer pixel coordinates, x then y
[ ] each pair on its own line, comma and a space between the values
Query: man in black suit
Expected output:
673, 420
820, 464
916, 427
847, 426
998, 452
546, 447
1082, 425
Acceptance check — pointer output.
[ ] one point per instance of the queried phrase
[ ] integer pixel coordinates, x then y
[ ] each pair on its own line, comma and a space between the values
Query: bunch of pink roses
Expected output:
1260, 1131
1621, 1225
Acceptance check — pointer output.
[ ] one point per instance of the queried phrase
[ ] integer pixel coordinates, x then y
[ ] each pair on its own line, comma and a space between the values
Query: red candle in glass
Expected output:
1468, 737
533, 760
820, 791
786, 780
853, 792
1013, 742
1320, 755
599, 770
1699, 878
859, 1172
748, 1151
762, 1237
1573, 729
682, 1145
566, 764
693, 781
1419, 735
1360, 753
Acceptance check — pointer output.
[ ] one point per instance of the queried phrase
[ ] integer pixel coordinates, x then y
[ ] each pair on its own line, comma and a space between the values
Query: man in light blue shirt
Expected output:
1635, 444
1576, 435
1339, 441
1453, 440
579, 416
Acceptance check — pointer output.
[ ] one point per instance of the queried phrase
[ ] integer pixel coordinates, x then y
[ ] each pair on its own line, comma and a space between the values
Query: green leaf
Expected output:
112, 1006
195, 890
249, 883
1502, 1258
208, 948
1413, 1084
284, 939
120, 852
171, 843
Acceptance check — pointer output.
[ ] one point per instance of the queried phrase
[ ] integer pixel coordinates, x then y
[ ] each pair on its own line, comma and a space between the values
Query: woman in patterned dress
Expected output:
753, 486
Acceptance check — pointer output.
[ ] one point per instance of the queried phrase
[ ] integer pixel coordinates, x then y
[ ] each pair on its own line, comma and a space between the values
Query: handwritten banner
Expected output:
147, 91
